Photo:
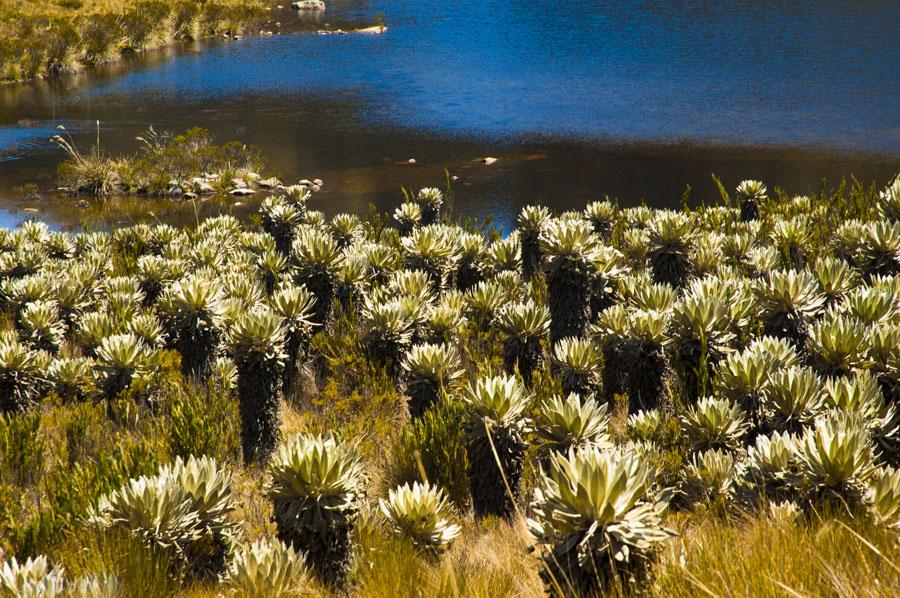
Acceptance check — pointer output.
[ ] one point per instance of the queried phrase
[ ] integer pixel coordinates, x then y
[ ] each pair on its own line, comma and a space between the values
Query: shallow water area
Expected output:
638, 101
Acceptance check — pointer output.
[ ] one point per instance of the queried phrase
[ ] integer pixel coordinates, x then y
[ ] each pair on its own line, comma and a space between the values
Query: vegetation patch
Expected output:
181, 166
45, 39
613, 401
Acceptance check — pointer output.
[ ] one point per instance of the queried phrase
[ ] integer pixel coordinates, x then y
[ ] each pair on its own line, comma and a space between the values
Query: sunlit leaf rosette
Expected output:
597, 516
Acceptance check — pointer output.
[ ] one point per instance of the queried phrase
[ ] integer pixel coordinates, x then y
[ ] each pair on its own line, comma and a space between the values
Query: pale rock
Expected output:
373, 30
308, 5
270, 183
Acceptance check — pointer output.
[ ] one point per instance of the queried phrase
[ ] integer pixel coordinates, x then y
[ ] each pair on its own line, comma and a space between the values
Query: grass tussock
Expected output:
299, 405
487, 560
44, 39
770, 556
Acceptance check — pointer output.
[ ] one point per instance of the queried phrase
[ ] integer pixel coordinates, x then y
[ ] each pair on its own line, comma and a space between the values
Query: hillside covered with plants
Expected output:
45, 38
613, 401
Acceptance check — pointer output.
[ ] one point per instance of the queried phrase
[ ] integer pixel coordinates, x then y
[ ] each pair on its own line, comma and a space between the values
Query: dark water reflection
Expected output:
636, 100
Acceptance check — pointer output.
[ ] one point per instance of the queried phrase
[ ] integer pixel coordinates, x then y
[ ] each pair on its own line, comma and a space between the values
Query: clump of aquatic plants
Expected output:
728, 377
183, 166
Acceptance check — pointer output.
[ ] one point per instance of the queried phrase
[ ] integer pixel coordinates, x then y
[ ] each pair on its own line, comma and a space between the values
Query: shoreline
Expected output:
60, 42
555, 172
251, 18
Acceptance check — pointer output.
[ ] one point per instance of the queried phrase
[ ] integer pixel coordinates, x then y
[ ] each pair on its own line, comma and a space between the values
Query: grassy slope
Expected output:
77, 8
715, 556
62, 8
44, 38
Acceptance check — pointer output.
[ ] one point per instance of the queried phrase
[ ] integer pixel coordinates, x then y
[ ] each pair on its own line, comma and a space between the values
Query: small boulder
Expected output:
488, 161
270, 183
308, 5
241, 191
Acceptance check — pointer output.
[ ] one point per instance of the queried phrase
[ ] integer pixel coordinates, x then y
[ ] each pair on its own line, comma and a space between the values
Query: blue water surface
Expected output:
810, 73
638, 100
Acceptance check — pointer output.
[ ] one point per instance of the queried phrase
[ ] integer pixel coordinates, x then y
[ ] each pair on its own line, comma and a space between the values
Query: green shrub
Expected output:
437, 441
202, 422
68, 492
21, 450
86, 436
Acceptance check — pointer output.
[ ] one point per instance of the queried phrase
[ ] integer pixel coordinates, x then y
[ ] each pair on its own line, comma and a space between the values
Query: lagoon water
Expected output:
637, 100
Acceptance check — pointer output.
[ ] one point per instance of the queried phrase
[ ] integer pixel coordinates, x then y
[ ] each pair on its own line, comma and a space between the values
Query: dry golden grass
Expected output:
63, 8
489, 559
44, 38
764, 556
